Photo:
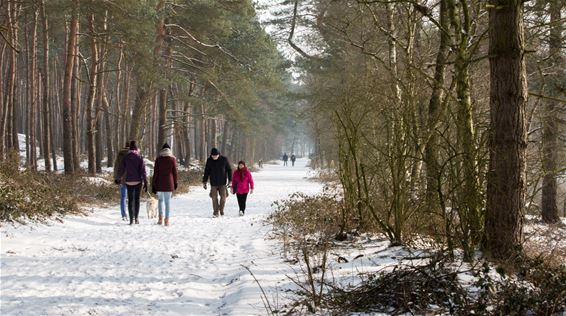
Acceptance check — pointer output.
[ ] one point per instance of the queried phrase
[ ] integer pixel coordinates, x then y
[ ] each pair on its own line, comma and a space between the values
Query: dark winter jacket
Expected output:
123, 152
285, 157
217, 170
132, 168
293, 158
165, 172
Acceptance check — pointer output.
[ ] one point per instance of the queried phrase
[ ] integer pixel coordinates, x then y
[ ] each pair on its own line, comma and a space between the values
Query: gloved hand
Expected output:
175, 186
117, 181
252, 191
204, 185
145, 187
153, 190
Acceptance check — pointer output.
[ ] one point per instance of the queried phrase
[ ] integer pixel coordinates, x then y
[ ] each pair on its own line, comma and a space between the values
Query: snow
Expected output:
97, 180
99, 265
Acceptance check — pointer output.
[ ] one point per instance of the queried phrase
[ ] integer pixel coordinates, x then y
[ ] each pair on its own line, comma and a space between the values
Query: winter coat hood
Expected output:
165, 152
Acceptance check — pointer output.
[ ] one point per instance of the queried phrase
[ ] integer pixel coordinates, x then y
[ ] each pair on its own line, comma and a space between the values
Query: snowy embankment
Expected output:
99, 265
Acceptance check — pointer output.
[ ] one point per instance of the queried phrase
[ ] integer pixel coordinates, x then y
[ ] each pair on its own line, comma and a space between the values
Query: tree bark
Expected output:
90, 119
67, 83
435, 111
550, 130
138, 114
125, 108
76, 107
2, 100
46, 87
162, 128
33, 87
10, 115
118, 134
507, 134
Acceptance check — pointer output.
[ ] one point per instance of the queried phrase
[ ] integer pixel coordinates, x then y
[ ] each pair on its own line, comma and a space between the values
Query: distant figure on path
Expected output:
218, 169
164, 181
123, 188
242, 184
285, 159
293, 159
260, 163
132, 172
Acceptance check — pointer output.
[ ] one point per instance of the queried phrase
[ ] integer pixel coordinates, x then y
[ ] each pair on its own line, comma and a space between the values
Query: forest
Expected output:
435, 125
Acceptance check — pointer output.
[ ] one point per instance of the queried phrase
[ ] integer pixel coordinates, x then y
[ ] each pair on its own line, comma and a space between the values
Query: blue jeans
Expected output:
164, 197
123, 195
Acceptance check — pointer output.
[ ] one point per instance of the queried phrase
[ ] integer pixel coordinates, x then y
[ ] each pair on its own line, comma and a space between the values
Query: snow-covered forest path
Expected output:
99, 265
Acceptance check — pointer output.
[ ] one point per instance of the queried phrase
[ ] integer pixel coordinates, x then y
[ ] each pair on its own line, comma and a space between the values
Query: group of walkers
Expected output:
286, 158
129, 173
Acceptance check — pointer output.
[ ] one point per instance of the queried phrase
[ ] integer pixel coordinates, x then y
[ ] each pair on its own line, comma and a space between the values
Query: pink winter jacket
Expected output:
242, 184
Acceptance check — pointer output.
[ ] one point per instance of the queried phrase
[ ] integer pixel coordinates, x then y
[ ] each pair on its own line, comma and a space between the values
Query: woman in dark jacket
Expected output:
164, 180
132, 172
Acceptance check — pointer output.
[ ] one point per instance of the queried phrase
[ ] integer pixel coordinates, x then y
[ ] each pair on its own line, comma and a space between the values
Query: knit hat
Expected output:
214, 152
133, 145
166, 146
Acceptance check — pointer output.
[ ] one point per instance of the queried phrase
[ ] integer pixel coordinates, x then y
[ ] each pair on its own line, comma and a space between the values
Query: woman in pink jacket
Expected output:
242, 184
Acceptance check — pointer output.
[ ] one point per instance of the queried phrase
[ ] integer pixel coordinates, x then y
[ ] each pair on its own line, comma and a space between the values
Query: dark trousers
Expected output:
242, 201
134, 192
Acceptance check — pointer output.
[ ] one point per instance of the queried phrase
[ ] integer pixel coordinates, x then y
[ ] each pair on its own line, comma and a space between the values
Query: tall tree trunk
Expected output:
225, 136
46, 88
435, 111
187, 132
203, 134
469, 194
118, 134
76, 106
67, 105
138, 114
2, 100
125, 114
55, 113
103, 96
507, 134
550, 130
162, 128
213, 135
33, 87
93, 79
10, 115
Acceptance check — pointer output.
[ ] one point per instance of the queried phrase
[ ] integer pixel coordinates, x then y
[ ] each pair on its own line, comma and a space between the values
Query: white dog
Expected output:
151, 207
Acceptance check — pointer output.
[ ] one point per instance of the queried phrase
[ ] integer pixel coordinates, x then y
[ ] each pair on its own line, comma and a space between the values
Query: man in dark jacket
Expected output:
218, 169
123, 189
132, 172
285, 159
